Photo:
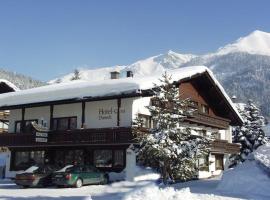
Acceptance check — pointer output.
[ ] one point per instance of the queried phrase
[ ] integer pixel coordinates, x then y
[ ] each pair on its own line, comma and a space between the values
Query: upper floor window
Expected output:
146, 121
193, 104
28, 128
65, 123
205, 109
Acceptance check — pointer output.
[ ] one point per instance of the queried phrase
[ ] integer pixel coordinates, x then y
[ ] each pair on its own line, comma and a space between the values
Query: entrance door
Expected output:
219, 162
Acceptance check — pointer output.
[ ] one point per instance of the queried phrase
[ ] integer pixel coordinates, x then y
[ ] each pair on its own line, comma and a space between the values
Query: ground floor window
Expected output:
203, 163
23, 160
109, 158
105, 159
68, 157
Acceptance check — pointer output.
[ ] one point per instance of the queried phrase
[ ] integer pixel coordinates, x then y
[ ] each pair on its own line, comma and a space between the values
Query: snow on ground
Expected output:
247, 181
251, 177
144, 187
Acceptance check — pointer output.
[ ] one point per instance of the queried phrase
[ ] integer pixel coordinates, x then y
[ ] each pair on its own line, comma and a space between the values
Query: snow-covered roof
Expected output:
9, 84
81, 89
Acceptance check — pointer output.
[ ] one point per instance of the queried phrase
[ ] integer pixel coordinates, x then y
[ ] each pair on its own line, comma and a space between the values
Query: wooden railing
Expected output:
223, 146
208, 120
112, 136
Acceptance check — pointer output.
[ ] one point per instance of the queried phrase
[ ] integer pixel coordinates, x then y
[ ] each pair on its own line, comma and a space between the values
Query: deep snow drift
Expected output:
250, 178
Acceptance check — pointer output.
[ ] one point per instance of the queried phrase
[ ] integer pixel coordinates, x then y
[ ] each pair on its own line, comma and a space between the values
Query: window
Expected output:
193, 104
146, 120
65, 123
204, 163
202, 133
68, 157
205, 109
118, 158
217, 136
28, 128
103, 158
26, 159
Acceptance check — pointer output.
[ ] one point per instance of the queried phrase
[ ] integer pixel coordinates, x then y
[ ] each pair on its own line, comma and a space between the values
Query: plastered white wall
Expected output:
139, 106
69, 110
126, 114
101, 114
15, 115
228, 133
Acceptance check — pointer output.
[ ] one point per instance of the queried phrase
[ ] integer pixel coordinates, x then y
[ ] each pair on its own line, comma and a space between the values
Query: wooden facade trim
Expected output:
118, 111
51, 116
23, 121
224, 147
207, 120
83, 114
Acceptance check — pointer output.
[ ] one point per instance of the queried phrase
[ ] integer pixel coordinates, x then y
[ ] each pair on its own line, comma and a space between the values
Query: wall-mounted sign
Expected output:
40, 139
107, 113
39, 134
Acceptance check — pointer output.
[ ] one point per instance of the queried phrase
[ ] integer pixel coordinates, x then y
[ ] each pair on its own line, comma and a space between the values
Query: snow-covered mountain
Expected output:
258, 42
243, 67
19, 80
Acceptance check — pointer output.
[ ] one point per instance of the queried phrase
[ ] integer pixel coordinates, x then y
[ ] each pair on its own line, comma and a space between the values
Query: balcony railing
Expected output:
204, 119
102, 136
223, 146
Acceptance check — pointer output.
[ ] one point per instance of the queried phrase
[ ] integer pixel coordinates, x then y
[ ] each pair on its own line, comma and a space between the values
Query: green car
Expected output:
79, 175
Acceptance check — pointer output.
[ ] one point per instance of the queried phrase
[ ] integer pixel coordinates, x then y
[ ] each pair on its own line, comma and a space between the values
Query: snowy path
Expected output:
120, 190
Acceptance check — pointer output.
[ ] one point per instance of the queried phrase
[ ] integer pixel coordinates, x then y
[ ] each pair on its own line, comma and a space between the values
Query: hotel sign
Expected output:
107, 113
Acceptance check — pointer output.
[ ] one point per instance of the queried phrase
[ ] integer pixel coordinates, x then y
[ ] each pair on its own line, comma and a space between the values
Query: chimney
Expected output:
234, 99
129, 74
115, 75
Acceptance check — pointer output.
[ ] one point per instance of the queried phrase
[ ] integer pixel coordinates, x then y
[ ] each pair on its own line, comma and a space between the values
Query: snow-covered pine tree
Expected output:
76, 75
250, 135
170, 148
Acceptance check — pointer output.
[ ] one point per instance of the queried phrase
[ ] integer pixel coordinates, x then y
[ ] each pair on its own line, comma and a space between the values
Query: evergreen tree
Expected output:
250, 135
76, 75
170, 148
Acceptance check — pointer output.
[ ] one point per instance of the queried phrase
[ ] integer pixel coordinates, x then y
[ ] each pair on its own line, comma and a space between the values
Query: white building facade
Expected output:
91, 123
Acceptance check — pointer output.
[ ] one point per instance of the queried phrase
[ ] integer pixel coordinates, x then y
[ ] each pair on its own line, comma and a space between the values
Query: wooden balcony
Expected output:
207, 120
223, 146
108, 136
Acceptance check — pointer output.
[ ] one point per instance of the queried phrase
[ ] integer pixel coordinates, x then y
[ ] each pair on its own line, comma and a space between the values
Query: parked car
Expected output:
36, 176
79, 175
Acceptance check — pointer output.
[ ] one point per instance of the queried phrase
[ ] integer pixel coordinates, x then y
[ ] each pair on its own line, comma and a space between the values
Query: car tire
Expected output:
79, 183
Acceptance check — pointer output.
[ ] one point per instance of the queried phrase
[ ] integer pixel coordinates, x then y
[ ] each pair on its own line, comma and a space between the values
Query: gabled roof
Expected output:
7, 86
85, 90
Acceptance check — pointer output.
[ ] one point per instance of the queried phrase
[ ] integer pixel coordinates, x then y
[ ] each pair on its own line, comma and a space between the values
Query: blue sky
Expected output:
45, 39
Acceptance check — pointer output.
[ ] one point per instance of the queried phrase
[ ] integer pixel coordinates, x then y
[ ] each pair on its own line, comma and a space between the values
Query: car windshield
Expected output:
66, 168
31, 169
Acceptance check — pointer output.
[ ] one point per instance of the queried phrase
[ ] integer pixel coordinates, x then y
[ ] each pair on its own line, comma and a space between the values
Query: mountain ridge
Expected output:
242, 67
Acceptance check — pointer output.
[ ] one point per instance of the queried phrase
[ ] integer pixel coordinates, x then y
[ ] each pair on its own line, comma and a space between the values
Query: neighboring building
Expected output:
5, 86
90, 122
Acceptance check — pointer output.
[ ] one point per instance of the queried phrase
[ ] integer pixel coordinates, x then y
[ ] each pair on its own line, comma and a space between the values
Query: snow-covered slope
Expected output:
258, 42
243, 68
18, 80
153, 65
